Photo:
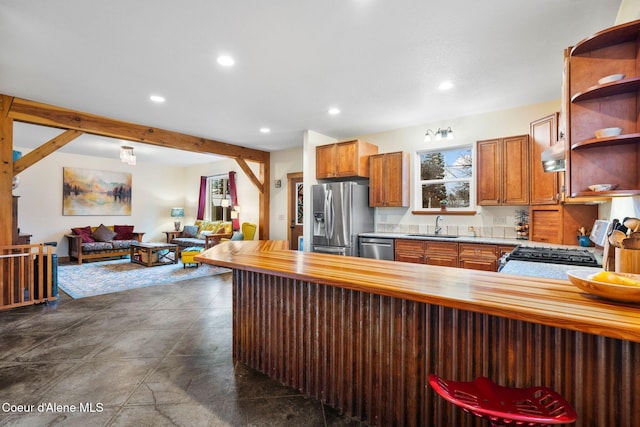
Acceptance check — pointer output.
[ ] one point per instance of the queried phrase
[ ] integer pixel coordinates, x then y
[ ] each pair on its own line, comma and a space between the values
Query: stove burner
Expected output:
578, 257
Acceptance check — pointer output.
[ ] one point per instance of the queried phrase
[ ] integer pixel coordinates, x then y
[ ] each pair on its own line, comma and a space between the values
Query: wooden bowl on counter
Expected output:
580, 278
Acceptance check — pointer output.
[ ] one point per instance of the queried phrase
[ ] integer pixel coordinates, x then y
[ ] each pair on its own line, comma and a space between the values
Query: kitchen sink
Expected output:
440, 236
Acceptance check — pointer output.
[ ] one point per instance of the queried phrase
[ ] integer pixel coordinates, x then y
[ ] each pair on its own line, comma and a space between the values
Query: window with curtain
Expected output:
219, 198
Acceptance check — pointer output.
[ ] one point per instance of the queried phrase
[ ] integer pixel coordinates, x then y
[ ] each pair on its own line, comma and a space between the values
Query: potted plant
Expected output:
443, 205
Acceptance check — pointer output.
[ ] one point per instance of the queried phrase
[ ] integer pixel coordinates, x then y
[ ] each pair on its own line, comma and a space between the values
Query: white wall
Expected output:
629, 11
155, 190
283, 162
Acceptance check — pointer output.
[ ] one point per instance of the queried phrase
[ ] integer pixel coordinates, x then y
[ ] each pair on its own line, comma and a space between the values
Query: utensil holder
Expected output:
627, 261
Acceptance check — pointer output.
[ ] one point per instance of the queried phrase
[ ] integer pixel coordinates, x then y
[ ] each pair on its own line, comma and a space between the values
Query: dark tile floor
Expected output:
155, 356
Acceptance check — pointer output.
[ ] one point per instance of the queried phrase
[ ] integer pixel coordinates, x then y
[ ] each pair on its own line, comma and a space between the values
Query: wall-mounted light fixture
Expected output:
177, 213
439, 134
127, 156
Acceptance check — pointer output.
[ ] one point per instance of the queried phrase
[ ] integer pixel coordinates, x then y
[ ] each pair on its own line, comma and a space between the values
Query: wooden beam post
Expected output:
6, 171
44, 150
264, 200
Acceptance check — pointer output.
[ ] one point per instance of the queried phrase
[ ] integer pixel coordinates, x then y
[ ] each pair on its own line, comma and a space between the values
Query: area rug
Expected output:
104, 277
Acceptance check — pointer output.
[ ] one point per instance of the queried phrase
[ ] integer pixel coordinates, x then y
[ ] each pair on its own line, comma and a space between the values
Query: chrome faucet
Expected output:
438, 228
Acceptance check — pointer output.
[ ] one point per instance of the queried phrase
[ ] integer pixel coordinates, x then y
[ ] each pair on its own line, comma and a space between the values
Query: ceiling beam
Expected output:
23, 110
44, 150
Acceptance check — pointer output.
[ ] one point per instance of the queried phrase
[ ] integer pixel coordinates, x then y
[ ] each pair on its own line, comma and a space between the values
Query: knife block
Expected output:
627, 261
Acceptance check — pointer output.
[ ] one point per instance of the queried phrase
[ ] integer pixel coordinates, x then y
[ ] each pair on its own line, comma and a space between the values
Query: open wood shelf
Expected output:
610, 36
618, 87
613, 193
629, 138
591, 106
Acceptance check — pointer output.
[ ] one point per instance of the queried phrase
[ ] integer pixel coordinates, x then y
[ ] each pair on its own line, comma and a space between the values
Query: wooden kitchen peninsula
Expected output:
363, 335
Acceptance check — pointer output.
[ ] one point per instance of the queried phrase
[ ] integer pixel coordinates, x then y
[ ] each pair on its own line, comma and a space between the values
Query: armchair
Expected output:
248, 232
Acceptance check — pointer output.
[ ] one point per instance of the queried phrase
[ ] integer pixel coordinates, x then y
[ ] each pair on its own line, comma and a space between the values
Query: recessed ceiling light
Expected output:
446, 85
157, 98
226, 61
265, 130
333, 111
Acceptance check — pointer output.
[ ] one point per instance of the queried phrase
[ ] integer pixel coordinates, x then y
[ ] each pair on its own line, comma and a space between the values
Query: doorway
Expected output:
295, 212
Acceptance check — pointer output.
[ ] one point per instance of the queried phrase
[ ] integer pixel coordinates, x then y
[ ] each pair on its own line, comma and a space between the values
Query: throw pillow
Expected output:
203, 234
103, 234
190, 231
84, 232
237, 235
123, 232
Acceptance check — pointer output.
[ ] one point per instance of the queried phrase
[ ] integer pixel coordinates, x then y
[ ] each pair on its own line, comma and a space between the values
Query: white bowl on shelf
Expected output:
608, 132
611, 78
603, 187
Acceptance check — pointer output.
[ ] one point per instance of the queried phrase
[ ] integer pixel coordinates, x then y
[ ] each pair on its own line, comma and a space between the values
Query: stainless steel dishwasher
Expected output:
377, 248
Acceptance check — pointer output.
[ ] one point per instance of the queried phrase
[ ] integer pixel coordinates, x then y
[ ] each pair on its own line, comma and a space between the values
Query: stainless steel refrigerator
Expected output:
340, 212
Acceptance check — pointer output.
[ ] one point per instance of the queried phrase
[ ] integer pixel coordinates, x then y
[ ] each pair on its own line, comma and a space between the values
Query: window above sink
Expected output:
444, 175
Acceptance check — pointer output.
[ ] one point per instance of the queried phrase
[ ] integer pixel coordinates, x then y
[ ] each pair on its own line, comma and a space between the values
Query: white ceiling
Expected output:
379, 61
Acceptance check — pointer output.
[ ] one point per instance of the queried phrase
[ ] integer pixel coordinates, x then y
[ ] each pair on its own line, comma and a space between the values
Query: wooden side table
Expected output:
172, 235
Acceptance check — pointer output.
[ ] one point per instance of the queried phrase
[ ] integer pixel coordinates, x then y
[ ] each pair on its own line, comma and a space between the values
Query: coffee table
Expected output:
152, 254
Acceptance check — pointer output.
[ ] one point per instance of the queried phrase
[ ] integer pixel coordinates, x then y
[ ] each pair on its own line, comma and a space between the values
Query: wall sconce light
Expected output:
127, 156
177, 213
439, 134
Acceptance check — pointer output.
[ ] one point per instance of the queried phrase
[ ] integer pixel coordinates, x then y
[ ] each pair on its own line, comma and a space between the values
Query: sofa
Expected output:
101, 241
202, 233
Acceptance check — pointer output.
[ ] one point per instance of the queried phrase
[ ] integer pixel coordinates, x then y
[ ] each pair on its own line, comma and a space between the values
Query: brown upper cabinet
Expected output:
592, 105
348, 159
503, 171
389, 180
544, 185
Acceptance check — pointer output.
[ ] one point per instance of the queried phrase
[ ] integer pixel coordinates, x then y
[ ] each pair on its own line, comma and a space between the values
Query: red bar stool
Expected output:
533, 406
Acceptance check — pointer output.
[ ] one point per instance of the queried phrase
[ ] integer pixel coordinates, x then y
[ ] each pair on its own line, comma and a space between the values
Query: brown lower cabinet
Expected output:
478, 256
442, 253
475, 256
410, 251
560, 223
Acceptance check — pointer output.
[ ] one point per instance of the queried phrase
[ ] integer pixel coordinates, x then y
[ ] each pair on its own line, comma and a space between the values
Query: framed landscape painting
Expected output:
95, 192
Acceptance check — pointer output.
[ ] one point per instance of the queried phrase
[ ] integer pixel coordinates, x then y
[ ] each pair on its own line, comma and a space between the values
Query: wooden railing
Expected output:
26, 273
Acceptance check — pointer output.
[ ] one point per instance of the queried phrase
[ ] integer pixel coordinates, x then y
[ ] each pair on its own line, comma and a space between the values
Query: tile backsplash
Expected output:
502, 232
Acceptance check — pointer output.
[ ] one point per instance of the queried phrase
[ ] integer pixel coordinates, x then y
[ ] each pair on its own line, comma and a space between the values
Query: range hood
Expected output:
553, 158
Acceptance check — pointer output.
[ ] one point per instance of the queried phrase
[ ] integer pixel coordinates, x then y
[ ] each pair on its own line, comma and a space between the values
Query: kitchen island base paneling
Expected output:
369, 355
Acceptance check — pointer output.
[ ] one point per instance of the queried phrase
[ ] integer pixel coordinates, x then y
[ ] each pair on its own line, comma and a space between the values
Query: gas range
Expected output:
567, 256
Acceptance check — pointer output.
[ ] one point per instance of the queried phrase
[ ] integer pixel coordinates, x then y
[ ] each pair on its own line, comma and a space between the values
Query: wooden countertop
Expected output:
549, 302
